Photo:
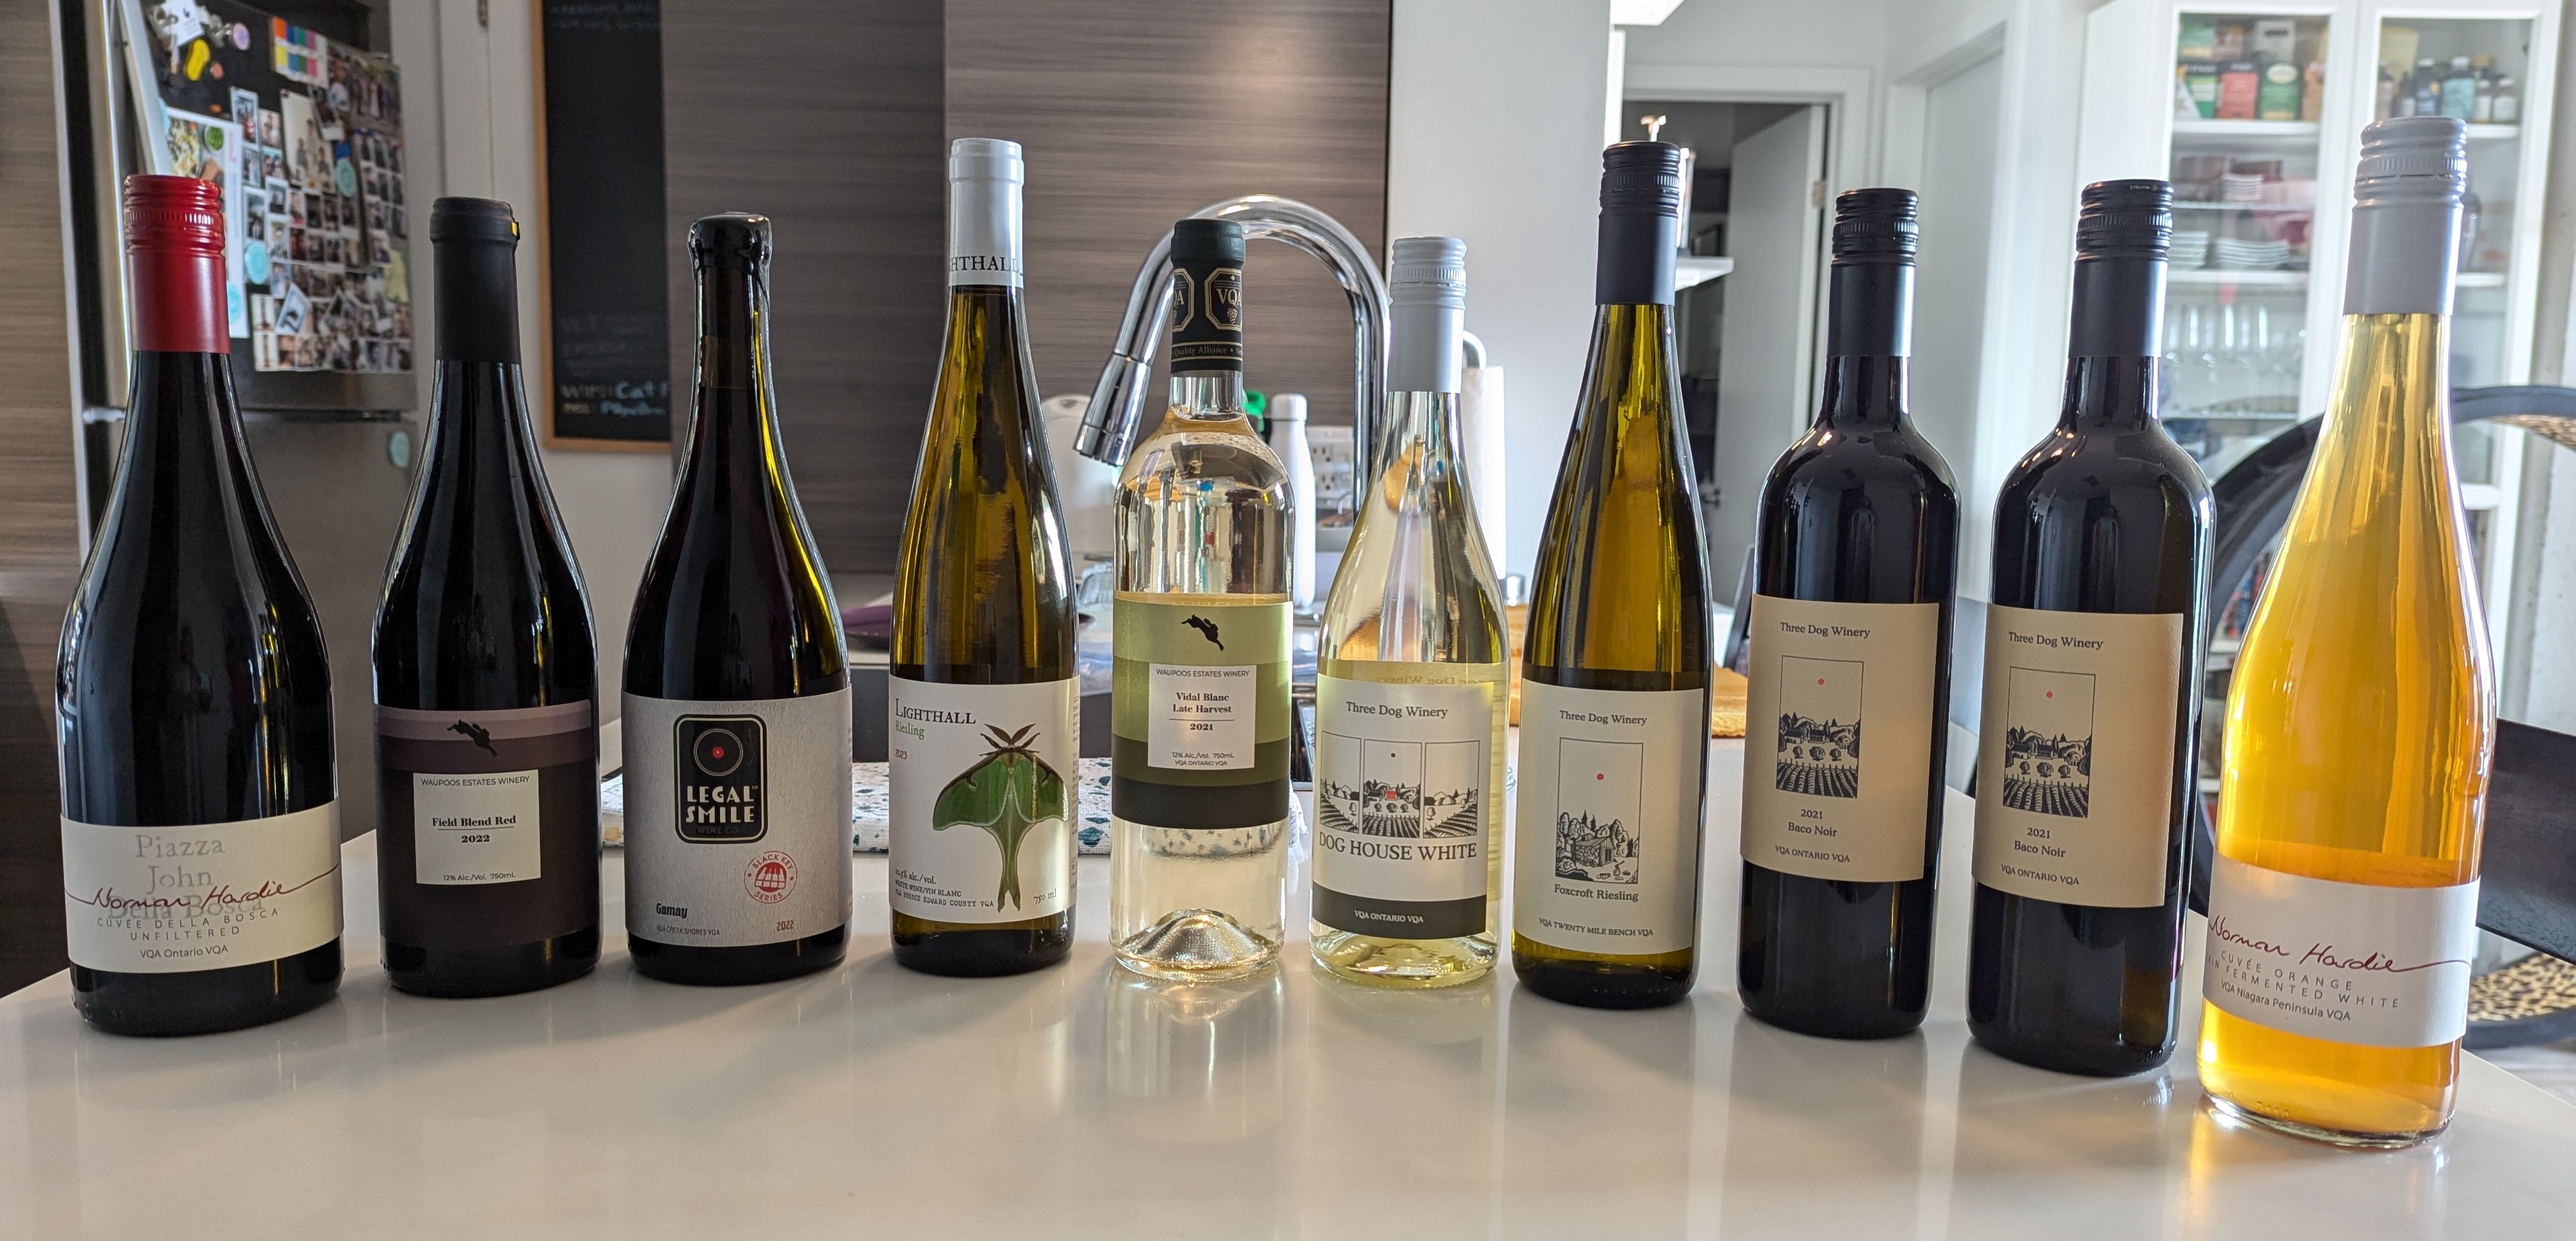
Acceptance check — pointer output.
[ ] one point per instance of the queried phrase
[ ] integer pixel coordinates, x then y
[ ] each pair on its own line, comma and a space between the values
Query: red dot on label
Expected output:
1820, 680
718, 751
1599, 775
2051, 694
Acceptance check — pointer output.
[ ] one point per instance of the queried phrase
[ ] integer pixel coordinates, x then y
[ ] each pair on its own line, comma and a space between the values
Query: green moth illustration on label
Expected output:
1008, 793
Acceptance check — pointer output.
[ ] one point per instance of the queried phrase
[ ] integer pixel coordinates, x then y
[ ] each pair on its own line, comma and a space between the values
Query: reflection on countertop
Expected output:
1083, 1101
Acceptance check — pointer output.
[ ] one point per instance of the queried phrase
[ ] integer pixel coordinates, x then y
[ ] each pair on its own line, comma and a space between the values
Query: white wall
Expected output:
1883, 57
471, 116
1494, 117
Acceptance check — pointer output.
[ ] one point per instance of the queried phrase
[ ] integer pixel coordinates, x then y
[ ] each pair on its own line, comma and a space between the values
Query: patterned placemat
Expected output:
868, 813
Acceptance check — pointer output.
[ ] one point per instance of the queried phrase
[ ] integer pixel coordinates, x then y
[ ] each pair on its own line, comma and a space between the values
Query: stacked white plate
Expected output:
2190, 247
2249, 255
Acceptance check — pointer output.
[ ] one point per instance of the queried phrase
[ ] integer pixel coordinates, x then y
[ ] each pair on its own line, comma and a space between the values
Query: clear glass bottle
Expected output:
2361, 719
1411, 698
1199, 786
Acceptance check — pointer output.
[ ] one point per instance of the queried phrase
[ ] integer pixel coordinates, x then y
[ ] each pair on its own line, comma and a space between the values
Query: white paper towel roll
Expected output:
1087, 488
1481, 425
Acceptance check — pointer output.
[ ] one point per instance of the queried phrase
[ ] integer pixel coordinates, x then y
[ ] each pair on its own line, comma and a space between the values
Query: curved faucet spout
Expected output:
1117, 403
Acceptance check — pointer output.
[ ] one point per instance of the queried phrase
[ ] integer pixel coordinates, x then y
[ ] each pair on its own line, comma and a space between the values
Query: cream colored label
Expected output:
1838, 728
1608, 818
166, 900
2075, 755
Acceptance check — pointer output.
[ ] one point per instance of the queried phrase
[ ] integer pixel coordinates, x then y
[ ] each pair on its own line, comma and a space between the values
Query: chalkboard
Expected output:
604, 275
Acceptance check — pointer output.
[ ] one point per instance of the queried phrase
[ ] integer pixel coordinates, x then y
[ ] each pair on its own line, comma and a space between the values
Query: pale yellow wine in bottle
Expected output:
1410, 695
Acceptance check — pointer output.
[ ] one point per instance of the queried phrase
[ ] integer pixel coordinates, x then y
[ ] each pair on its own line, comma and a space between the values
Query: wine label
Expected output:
1199, 710
1608, 820
1404, 804
467, 790
2345, 962
166, 900
1816, 803
2075, 795
980, 784
737, 819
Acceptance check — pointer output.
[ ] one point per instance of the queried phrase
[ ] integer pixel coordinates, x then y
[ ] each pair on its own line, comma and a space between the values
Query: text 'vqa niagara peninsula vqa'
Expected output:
201, 843
1199, 781
737, 713
487, 682
2085, 764
1410, 695
1854, 558
2361, 718
982, 704
1615, 672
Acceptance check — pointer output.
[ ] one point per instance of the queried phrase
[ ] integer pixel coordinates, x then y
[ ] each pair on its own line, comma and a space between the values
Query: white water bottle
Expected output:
1288, 439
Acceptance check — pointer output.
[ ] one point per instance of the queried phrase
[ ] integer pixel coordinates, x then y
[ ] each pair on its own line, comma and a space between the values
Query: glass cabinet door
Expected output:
2477, 70
2249, 92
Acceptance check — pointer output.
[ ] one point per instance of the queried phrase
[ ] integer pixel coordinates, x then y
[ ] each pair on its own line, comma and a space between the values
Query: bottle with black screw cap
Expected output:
486, 671
2086, 761
737, 709
1855, 553
1198, 791
1615, 672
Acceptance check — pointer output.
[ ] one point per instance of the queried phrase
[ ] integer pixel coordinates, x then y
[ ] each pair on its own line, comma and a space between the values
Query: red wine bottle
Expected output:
201, 851
2085, 767
1845, 719
487, 683
737, 711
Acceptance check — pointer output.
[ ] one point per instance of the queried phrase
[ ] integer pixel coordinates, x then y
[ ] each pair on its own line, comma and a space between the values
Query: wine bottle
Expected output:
487, 681
2361, 718
201, 843
1615, 670
2085, 761
1198, 790
1855, 553
737, 711
983, 758
1410, 697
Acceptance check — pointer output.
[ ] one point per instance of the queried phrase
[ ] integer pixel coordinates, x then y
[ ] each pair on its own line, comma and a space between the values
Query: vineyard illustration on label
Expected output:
2048, 742
1820, 705
1010, 792
1407, 789
1599, 785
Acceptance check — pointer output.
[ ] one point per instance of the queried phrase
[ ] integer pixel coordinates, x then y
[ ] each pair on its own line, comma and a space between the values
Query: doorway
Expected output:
1746, 340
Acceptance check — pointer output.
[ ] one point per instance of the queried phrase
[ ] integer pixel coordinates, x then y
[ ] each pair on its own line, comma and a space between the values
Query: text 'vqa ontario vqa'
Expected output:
737, 711
1854, 557
1615, 673
2085, 761
201, 844
486, 671
983, 700
2361, 718
1409, 691
1198, 792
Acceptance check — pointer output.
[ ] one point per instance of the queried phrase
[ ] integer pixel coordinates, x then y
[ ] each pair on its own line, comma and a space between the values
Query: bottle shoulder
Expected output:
2097, 462
1831, 460
1188, 451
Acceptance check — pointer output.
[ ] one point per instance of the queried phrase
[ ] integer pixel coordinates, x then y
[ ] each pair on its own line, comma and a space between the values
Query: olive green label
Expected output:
1202, 687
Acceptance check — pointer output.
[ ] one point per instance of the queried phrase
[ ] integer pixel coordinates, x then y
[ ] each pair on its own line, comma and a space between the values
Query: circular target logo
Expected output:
718, 752
770, 877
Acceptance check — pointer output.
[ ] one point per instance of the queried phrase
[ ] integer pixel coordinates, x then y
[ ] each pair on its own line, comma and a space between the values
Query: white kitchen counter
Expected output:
1082, 1102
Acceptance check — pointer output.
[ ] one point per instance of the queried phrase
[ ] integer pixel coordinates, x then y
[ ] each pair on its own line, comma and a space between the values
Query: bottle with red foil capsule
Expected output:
201, 861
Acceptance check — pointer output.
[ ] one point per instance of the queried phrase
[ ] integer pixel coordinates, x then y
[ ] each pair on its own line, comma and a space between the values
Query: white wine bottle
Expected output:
1615, 672
982, 750
1409, 692
737, 724
2361, 718
1199, 786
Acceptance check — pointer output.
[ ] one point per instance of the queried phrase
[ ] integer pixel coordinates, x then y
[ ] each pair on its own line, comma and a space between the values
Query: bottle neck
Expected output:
2111, 378
1208, 394
1421, 432
478, 301
1868, 337
733, 429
